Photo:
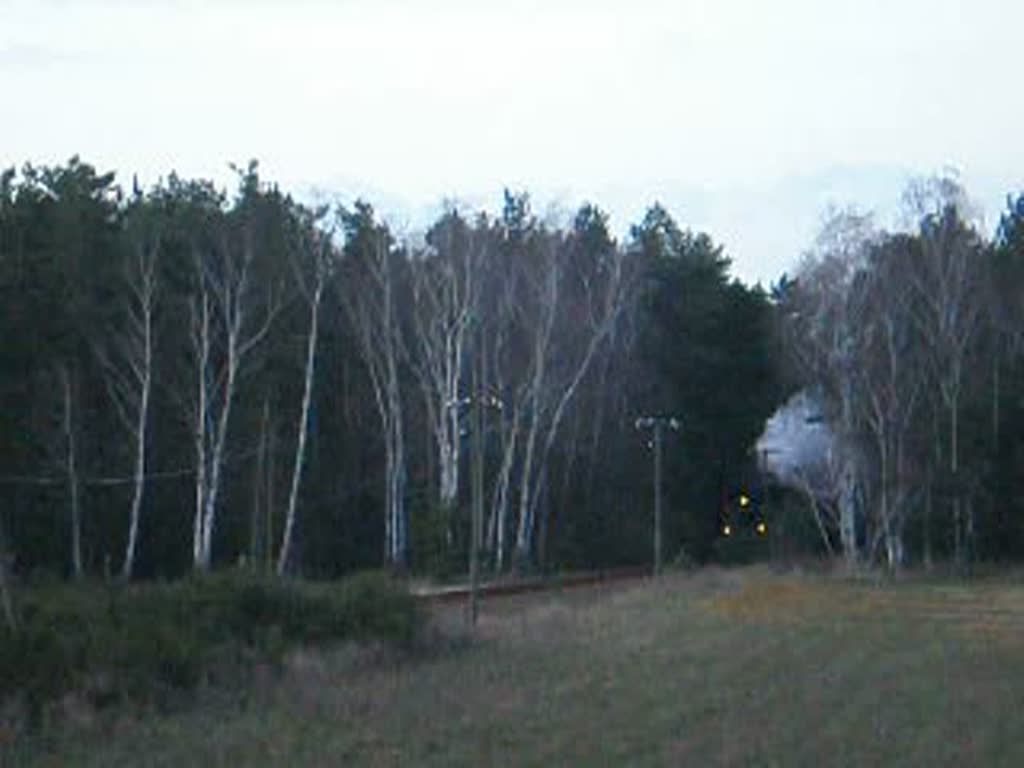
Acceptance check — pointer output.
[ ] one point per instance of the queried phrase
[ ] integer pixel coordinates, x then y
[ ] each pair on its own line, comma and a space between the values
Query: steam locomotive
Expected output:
743, 514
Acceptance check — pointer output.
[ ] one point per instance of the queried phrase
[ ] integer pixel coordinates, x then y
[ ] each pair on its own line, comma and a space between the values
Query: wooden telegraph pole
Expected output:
479, 400
657, 424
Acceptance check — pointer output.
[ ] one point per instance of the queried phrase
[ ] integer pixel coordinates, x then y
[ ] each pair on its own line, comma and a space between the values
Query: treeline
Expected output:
910, 345
191, 378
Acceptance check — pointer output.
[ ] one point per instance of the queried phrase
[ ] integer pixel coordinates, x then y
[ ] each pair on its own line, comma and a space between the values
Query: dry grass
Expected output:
723, 667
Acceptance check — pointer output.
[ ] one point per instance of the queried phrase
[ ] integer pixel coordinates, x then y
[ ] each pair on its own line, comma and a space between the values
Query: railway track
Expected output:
457, 592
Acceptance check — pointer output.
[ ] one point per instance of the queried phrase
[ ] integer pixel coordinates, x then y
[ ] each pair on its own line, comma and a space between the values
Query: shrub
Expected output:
434, 554
377, 607
141, 642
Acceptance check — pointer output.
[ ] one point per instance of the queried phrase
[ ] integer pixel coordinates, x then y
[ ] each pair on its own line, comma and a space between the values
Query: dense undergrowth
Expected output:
154, 644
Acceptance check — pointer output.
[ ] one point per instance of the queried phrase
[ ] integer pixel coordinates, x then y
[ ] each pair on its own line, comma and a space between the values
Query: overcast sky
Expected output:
744, 118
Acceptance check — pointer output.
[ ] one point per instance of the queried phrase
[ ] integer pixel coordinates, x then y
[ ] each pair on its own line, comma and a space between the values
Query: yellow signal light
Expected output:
744, 500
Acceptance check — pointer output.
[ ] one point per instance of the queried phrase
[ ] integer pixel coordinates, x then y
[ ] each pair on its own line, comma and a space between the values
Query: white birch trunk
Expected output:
448, 435
138, 353
141, 432
444, 300
201, 342
593, 344
377, 332
396, 439
524, 530
500, 505
300, 444
220, 438
216, 396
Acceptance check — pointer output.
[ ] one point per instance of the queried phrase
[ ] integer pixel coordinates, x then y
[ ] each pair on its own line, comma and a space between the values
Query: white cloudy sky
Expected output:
744, 118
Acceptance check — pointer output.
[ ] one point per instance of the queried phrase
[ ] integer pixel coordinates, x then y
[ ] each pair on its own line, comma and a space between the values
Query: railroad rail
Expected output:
456, 592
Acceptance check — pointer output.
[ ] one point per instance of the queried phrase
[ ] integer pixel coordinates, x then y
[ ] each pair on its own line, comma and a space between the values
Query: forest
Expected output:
908, 345
194, 377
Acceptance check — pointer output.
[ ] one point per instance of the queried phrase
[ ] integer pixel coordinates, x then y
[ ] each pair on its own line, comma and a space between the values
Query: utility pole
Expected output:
475, 403
478, 402
474, 406
658, 424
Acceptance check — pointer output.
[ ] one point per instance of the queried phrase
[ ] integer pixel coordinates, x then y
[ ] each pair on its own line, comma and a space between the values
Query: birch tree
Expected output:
890, 379
545, 290
368, 295
127, 356
313, 262
947, 287
513, 396
230, 316
823, 327
576, 305
595, 265
445, 298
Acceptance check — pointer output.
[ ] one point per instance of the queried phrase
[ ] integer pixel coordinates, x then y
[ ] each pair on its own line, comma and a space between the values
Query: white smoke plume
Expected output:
797, 446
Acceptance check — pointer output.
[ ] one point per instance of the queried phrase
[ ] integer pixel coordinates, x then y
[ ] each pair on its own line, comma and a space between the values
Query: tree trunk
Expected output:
500, 503
71, 467
140, 468
217, 393
658, 429
848, 514
201, 340
401, 526
5, 593
524, 531
848, 486
300, 444
256, 522
885, 504
217, 461
954, 466
477, 511
927, 556
396, 484
270, 497
812, 501
995, 401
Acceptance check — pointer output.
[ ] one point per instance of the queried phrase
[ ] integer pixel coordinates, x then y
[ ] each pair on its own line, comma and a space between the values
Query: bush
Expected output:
376, 607
35, 665
141, 642
433, 553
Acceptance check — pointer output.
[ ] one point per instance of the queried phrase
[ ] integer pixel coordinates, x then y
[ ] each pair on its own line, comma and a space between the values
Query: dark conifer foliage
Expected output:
563, 335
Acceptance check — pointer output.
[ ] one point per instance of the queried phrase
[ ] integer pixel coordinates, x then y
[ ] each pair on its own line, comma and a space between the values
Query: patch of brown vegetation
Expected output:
774, 599
977, 613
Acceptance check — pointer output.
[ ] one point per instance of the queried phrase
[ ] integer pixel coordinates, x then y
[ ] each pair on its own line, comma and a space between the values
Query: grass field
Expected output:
741, 667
